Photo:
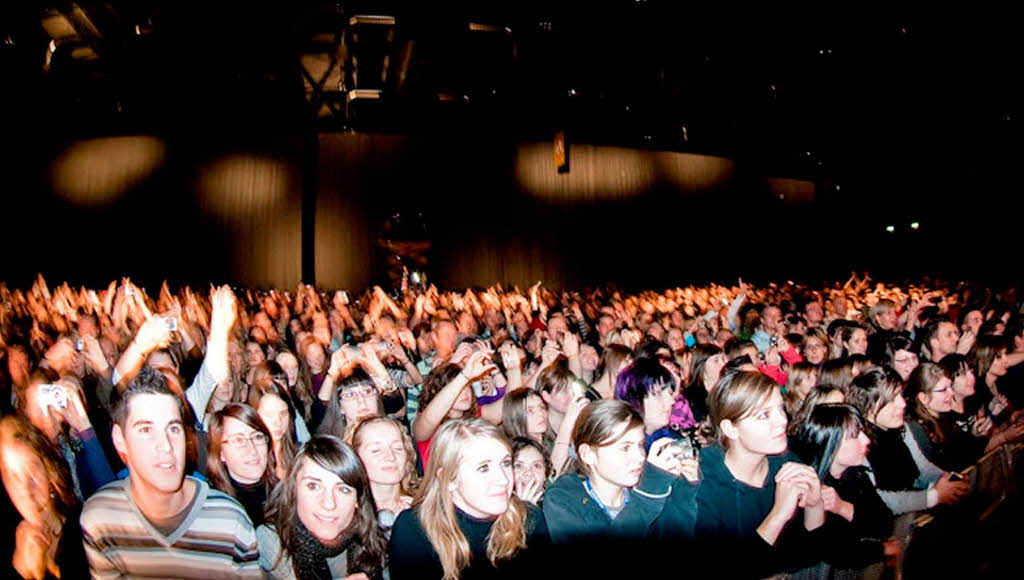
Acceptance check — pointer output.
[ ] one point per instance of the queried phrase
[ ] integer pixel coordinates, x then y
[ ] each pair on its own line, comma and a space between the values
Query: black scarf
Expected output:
310, 555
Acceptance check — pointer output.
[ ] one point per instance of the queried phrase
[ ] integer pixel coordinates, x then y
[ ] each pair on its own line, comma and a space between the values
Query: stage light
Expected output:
890, 229
98, 171
240, 185
914, 225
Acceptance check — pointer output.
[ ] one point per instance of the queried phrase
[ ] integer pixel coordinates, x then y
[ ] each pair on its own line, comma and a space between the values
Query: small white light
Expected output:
890, 229
914, 225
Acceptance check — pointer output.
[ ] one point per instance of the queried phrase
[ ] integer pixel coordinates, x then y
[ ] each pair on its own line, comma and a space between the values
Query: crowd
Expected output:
498, 432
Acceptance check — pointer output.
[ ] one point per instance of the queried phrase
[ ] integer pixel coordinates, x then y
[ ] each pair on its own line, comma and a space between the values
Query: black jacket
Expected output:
574, 517
411, 555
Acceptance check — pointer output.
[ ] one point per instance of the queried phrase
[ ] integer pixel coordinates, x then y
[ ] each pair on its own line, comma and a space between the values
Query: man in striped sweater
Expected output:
159, 523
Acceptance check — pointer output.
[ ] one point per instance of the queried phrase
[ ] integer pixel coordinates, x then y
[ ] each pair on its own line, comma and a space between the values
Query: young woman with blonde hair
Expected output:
465, 518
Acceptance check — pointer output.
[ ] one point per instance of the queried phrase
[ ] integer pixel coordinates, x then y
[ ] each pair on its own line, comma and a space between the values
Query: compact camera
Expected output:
52, 396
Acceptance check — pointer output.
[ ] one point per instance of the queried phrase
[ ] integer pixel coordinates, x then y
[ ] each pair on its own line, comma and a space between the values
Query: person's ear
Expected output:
119, 443
587, 455
728, 428
923, 398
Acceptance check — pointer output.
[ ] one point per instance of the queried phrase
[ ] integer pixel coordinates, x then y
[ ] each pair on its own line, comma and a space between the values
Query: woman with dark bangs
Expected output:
650, 388
321, 521
239, 461
832, 442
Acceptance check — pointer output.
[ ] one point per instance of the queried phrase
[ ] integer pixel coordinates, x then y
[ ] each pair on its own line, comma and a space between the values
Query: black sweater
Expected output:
411, 555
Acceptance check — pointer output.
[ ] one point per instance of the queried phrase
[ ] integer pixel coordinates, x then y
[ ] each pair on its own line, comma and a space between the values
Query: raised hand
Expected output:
479, 364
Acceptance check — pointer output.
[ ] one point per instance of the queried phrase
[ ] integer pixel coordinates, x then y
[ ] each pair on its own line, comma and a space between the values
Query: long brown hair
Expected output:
923, 381
436, 509
368, 549
216, 471
436, 380
515, 417
411, 480
263, 388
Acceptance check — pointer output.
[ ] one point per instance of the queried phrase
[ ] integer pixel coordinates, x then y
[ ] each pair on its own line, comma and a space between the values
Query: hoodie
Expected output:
729, 512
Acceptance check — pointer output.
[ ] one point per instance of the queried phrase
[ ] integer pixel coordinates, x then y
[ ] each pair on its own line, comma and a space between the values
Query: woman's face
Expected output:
890, 415
536, 415
274, 413
963, 384
358, 403
620, 462
236, 356
851, 453
886, 320
244, 451
805, 385
315, 357
858, 343
815, 351
904, 362
26, 481
658, 408
253, 354
290, 366
998, 367
713, 370
483, 480
940, 398
529, 465
326, 505
383, 452
763, 431
465, 400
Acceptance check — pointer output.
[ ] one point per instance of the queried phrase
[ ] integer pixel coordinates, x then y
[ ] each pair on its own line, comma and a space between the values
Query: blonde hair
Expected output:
411, 480
436, 509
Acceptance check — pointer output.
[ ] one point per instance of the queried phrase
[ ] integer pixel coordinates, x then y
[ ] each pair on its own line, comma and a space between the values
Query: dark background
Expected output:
886, 117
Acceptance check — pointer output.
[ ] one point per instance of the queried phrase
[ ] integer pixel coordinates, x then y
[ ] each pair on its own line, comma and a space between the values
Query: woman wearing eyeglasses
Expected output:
239, 461
354, 398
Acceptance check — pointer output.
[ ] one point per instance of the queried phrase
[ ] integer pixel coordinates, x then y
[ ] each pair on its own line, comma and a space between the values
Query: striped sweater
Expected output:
216, 540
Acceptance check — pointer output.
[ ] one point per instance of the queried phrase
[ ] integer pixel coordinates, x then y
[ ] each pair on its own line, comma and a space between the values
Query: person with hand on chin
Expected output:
755, 497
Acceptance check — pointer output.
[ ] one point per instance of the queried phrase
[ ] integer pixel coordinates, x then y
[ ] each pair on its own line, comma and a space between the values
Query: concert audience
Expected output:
228, 385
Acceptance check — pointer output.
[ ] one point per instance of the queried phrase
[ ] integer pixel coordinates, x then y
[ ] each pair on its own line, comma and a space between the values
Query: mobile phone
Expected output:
51, 395
79, 345
687, 446
478, 388
172, 323
344, 296
955, 476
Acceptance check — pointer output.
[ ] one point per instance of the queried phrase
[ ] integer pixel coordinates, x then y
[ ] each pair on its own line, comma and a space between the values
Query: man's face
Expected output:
945, 342
152, 444
491, 319
814, 313
557, 327
770, 319
444, 337
467, 323
605, 325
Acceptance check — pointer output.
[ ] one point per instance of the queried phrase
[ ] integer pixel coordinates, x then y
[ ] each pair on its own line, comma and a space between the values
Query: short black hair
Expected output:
149, 381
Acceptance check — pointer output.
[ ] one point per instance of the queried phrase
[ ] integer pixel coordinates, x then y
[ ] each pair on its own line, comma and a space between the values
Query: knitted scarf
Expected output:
310, 555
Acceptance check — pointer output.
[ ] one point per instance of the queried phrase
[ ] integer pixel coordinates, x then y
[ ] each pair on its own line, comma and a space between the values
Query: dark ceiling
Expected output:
843, 98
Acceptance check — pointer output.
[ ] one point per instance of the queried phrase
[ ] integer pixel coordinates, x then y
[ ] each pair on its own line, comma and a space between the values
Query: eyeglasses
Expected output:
363, 393
239, 441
